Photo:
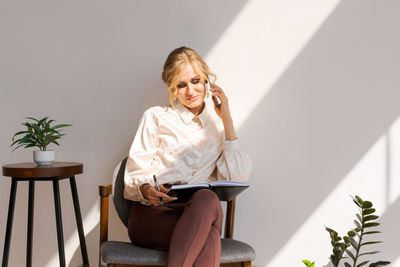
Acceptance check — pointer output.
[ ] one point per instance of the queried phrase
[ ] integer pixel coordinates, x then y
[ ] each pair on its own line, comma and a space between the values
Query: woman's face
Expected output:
190, 89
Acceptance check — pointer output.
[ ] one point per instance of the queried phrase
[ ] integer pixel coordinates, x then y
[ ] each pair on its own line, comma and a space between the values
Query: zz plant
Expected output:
354, 242
38, 133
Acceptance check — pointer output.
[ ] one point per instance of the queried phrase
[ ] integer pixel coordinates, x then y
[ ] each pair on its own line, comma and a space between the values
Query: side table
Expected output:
31, 172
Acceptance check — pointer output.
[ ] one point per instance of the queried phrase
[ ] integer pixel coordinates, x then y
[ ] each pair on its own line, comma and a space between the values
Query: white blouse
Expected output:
178, 146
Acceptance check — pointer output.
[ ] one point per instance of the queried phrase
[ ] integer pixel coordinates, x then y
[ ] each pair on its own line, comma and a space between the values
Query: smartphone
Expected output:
215, 98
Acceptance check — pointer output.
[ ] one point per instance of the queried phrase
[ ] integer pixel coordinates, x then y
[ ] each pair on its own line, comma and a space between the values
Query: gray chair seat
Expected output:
125, 253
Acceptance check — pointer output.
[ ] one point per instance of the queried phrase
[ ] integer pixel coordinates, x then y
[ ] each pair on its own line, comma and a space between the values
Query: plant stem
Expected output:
359, 242
340, 258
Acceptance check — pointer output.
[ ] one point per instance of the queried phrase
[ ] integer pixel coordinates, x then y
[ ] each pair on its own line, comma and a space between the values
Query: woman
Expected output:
186, 142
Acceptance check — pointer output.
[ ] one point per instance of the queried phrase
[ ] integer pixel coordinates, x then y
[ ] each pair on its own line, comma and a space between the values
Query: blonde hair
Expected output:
177, 58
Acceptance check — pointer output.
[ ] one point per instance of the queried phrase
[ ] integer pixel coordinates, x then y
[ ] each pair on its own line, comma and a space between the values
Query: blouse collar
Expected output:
187, 116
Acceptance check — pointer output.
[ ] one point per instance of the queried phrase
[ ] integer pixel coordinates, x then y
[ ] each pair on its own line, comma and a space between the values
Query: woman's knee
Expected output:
206, 197
205, 194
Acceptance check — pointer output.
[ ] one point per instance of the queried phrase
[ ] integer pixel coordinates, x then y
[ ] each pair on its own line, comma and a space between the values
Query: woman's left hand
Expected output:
222, 109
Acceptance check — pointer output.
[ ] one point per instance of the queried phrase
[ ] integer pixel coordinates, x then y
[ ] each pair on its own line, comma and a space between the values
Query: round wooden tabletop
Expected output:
32, 170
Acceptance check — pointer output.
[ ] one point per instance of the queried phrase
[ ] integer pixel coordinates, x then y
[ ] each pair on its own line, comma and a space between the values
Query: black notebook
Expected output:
225, 190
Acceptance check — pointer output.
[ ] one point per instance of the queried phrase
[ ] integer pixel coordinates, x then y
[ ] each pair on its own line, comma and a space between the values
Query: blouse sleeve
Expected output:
139, 168
234, 163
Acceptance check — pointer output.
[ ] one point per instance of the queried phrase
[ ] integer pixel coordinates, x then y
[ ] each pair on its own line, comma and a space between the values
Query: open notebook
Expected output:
225, 190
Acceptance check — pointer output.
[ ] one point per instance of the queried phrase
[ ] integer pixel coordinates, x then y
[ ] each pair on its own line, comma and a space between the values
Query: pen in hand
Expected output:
158, 188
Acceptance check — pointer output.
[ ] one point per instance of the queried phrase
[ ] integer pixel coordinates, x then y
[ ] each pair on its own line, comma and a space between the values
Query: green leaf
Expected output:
43, 120
379, 263
26, 138
17, 147
20, 132
368, 211
369, 253
370, 243
372, 232
362, 263
16, 141
358, 204
371, 224
37, 130
357, 224
55, 142
359, 218
367, 205
49, 130
61, 126
331, 231
31, 145
370, 218
353, 243
359, 199
351, 233
347, 264
308, 263
30, 118
350, 254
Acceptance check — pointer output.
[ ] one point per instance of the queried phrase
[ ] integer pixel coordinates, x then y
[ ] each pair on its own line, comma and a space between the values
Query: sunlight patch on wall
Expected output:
375, 177
260, 44
393, 155
395, 263
71, 244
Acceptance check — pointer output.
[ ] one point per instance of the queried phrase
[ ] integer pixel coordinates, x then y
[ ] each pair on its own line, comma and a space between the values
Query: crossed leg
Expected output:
196, 238
189, 231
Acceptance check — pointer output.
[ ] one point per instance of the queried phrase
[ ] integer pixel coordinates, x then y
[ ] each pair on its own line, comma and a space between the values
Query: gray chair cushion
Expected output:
236, 251
122, 206
125, 253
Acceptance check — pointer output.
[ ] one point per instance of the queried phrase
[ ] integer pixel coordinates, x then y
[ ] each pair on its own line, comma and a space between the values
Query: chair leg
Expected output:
247, 264
104, 192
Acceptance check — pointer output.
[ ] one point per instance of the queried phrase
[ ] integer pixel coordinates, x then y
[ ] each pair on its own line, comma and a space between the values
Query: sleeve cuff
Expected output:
233, 145
133, 193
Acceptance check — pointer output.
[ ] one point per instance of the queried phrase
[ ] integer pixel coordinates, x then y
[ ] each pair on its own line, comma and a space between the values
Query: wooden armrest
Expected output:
104, 192
230, 218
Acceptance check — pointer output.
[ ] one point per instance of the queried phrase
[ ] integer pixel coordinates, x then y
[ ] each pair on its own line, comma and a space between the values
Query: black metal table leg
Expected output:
60, 238
78, 218
10, 217
31, 204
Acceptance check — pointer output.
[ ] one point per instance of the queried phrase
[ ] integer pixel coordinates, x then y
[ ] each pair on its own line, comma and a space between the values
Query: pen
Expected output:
157, 187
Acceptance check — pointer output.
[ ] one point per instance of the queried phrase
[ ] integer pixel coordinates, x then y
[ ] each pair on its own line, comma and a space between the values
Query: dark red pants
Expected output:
190, 231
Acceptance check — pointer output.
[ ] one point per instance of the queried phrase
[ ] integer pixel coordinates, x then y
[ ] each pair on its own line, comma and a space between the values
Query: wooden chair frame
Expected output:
105, 192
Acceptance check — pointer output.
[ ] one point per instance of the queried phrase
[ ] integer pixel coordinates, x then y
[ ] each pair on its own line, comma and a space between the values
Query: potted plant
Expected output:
39, 133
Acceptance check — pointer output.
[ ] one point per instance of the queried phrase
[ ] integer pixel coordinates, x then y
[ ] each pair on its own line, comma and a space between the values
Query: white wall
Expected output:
313, 87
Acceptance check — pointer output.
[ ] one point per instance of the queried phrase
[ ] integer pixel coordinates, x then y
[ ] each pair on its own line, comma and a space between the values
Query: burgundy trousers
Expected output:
189, 231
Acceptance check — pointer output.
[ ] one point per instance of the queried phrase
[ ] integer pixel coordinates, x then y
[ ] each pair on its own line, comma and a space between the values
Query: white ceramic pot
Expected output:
43, 158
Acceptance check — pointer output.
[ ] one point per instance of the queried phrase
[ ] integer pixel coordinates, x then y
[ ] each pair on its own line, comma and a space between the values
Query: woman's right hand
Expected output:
151, 194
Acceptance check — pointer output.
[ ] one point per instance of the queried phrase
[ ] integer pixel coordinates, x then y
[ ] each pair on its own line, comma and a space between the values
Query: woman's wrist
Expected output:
230, 133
